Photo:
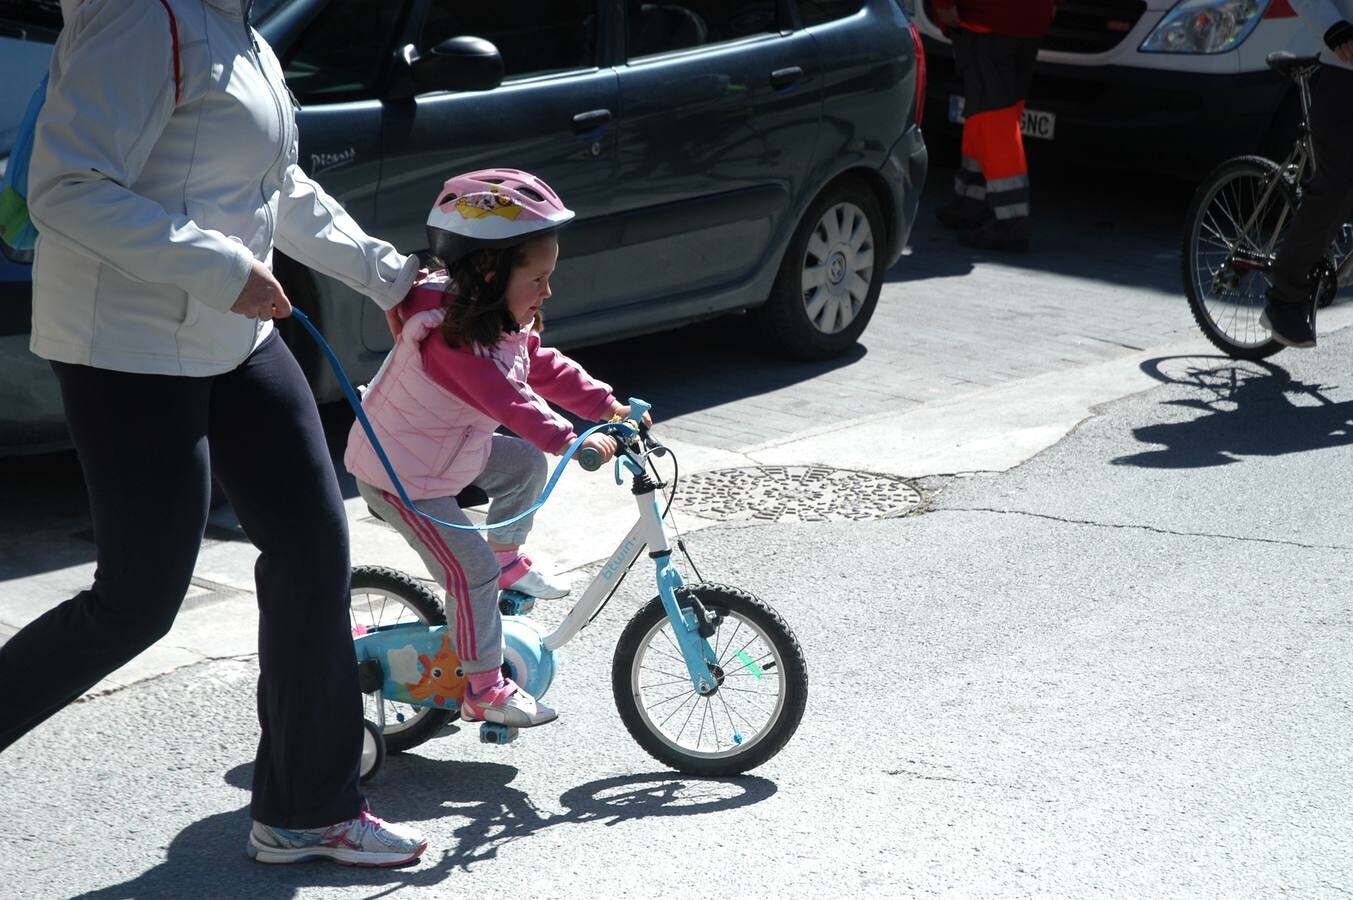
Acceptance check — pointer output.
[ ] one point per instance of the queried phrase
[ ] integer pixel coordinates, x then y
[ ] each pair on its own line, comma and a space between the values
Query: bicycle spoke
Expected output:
688, 718
649, 687
727, 711
647, 668
748, 663
684, 693
718, 654
675, 711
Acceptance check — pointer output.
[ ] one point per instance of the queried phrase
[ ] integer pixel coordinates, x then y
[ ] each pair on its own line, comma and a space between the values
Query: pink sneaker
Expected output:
519, 575
505, 704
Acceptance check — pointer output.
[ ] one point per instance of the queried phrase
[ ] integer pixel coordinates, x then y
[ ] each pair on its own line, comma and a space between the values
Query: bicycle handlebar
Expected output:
590, 459
627, 433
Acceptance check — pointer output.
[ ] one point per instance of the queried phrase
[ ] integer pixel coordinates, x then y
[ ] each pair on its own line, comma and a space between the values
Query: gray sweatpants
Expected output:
461, 560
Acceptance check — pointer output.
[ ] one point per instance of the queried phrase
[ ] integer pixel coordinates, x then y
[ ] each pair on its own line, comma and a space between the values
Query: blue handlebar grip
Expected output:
590, 458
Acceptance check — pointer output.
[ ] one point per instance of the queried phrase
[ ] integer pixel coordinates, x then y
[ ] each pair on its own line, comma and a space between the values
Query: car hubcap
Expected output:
838, 268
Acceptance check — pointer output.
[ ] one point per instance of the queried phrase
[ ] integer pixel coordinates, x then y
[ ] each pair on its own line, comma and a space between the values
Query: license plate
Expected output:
1035, 124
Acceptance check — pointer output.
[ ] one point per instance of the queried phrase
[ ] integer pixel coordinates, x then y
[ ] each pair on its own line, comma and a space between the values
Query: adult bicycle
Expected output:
1236, 221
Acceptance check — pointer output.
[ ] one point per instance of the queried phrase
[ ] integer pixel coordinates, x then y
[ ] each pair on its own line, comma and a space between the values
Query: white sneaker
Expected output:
526, 578
506, 704
363, 841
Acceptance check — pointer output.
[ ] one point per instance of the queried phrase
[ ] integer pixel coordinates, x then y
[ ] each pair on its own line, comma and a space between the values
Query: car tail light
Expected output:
920, 72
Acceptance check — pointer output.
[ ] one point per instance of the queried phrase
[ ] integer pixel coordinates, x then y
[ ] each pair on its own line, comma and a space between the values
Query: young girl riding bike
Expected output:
468, 358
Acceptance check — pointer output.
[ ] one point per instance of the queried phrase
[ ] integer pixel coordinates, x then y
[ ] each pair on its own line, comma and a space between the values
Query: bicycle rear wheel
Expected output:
1228, 249
383, 596
763, 685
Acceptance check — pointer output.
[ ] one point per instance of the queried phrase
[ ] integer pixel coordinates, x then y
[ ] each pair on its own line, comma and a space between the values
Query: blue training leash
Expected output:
356, 403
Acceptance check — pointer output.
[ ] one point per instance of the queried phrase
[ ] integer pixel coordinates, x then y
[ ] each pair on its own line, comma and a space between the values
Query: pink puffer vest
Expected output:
437, 443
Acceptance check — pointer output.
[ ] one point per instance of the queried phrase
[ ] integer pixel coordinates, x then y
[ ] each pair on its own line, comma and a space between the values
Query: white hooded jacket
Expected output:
164, 161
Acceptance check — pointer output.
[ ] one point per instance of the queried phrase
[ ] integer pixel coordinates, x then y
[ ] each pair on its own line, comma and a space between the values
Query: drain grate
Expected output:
796, 494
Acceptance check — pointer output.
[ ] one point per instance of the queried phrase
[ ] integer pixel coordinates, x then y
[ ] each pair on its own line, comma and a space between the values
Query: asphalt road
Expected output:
1120, 669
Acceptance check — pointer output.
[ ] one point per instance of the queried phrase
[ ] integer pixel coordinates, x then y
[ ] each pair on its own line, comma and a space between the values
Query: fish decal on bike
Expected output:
441, 677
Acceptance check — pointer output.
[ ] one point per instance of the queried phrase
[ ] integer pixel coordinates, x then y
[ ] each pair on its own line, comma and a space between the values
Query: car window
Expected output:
662, 27
342, 54
534, 37
815, 12
20, 18
262, 9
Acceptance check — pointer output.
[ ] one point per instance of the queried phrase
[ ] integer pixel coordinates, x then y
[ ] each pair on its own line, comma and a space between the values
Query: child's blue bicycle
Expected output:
708, 679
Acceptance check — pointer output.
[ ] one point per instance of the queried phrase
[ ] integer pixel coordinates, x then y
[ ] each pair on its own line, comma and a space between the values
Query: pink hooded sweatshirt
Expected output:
435, 407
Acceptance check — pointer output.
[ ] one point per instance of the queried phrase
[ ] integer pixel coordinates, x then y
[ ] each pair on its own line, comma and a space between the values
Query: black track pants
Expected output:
147, 446
1328, 197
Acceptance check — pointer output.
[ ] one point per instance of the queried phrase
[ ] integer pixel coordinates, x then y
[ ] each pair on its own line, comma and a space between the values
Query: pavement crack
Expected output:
1150, 528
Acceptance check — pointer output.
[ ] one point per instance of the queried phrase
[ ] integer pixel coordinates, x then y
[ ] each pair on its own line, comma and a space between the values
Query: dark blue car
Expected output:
721, 155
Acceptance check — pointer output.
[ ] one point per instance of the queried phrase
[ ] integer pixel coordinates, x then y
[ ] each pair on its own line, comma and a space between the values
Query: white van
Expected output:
1172, 84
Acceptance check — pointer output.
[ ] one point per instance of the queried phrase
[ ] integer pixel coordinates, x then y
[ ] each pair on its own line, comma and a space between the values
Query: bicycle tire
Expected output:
730, 605
373, 751
1227, 307
402, 733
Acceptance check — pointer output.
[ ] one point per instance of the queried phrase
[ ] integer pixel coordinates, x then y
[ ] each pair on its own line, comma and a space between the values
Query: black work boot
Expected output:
1289, 323
999, 234
962, 212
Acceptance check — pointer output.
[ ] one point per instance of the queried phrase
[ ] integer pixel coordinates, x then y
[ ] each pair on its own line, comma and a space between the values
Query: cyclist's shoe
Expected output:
505, 704
363, 841
961, 213
520, 575
1010, 235
1289, 323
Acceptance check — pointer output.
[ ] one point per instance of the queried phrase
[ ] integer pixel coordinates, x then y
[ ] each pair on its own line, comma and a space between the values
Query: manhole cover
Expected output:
796, 494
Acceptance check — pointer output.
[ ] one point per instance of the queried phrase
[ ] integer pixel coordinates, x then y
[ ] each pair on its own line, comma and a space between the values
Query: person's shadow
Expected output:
207, 858
1247, 409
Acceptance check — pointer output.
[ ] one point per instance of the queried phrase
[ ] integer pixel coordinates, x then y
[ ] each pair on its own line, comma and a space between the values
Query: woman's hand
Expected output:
603, 444
623, 411
262, 296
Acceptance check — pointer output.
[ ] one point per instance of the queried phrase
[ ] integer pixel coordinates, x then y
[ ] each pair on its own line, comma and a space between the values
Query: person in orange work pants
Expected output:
995, 44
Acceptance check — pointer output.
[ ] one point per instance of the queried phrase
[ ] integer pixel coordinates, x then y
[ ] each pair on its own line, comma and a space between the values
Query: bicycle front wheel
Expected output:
1236, 222
762, 685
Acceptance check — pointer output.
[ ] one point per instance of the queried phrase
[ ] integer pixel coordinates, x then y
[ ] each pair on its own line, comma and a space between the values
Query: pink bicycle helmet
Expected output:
491, 208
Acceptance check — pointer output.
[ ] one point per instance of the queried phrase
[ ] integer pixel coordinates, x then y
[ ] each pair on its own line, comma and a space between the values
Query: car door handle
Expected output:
781, 78
593, 118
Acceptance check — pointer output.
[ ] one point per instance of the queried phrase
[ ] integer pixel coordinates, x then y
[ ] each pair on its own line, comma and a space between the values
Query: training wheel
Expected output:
373, 750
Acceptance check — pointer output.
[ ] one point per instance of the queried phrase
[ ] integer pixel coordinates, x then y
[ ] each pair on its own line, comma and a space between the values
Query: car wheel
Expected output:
829, 280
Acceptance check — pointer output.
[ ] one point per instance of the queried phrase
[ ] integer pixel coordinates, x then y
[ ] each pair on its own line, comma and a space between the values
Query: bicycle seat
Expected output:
1286, 63
468, 497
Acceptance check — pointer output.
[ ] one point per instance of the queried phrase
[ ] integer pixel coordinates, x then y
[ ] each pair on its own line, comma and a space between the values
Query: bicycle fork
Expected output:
692, 624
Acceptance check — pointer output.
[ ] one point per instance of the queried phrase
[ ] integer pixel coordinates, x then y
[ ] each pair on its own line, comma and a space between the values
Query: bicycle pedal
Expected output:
515, 603
493, 733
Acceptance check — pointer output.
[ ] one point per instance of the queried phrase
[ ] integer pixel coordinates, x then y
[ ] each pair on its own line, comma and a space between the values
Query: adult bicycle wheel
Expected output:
762, 685
384, 596
1235, 225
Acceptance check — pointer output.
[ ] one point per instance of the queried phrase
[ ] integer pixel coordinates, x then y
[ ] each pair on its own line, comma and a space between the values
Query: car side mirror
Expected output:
456, 64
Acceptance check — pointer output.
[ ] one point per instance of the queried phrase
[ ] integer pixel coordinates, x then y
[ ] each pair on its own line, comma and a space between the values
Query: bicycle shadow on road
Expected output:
207, 858
1246, 409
